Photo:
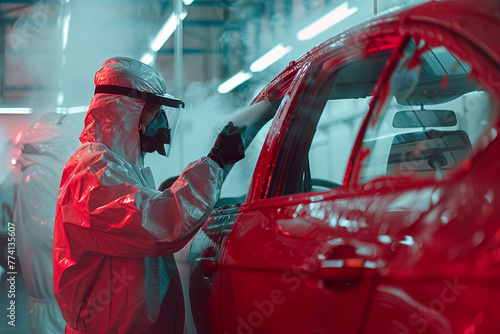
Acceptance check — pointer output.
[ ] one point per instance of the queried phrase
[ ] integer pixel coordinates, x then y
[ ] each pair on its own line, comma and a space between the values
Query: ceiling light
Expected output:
16, 111
234, 82
188, 2
76, 110
60, 98
72, 110
278, 52
65, 30
166, 31
147, 58
325, 22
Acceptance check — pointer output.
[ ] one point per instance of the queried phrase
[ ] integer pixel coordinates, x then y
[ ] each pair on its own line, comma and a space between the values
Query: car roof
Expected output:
477, 23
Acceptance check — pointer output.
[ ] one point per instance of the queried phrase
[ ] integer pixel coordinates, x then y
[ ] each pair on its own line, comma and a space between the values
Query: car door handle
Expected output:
341, 264
207, 265
341, 271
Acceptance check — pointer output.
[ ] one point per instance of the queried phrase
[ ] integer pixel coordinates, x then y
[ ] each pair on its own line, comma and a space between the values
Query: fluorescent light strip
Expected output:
234, 82
72, 110
147, 58
166, 31
276, 53
65, 31
16, 111
60, 98
326, 22
76, 110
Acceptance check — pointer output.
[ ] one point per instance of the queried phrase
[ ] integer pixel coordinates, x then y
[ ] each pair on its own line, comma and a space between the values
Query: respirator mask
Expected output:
160, 132
158, 135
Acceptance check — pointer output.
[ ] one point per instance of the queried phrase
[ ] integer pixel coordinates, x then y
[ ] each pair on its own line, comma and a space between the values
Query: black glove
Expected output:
228, 148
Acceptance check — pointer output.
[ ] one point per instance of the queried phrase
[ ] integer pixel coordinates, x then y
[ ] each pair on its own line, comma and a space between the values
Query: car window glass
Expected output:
237, 182
431, 121
326, 123
333, 141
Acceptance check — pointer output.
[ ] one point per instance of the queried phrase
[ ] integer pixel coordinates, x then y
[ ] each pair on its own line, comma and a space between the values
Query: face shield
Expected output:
160, 132
172, 116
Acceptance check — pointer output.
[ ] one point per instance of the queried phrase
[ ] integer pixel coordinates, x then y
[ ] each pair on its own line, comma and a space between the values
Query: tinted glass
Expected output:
431, 122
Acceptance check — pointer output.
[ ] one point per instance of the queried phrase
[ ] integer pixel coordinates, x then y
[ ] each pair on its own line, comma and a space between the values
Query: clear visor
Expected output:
173, 115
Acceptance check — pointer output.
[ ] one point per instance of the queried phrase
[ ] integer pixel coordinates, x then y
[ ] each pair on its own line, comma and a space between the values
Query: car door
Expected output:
438, 274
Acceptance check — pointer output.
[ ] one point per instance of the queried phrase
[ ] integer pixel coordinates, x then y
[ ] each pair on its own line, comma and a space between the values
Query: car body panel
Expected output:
302, 262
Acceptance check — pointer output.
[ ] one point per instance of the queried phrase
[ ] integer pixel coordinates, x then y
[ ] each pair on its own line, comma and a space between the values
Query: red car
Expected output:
373, 204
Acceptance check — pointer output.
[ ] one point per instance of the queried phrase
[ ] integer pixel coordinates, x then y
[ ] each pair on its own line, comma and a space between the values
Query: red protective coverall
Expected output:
111, 224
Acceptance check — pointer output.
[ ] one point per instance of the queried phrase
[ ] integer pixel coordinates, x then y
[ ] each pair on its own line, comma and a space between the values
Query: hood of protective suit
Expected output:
113, 120
50, 140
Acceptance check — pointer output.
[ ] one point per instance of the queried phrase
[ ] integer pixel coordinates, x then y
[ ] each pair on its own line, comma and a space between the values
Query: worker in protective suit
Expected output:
111, 224
46, 146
